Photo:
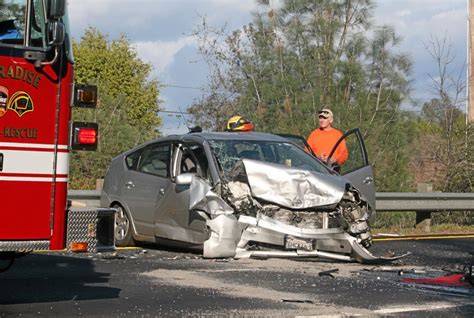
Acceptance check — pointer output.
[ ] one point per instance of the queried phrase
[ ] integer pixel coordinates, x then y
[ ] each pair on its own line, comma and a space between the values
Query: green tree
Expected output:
127, 106
293, 60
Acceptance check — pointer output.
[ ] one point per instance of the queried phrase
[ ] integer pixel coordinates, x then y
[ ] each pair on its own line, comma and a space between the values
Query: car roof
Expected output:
254, 136
204, 136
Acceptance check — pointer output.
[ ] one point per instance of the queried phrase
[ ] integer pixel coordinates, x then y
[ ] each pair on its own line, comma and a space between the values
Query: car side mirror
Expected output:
184, 179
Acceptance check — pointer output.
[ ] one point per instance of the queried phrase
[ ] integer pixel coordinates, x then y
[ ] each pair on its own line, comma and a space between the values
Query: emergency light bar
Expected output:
84, 136
85, 96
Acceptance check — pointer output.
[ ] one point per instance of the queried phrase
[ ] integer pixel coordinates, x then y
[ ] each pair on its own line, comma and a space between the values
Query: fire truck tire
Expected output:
6, 261
123, 227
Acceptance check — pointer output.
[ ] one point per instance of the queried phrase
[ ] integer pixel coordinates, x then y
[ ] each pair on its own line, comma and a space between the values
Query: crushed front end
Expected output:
270, 210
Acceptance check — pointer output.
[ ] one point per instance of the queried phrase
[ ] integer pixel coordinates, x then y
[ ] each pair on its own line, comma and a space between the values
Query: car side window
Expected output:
191, 162
155, 160
132, 159
188, 164
357, 158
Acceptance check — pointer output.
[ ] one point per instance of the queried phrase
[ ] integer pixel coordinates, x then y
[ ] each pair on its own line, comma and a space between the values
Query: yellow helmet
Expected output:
238, 123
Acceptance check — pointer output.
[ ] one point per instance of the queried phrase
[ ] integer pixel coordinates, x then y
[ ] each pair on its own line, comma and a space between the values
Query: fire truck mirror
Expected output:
56, 9
84, 136
85, 96
56, 33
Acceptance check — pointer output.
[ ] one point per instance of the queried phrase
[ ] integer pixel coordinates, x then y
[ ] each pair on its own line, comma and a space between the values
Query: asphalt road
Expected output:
151, 282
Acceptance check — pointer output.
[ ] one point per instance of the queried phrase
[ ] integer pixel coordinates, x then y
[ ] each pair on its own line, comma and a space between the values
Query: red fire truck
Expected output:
37, 136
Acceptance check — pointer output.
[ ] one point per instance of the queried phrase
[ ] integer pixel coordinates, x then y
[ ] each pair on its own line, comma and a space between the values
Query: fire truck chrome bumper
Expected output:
23, 246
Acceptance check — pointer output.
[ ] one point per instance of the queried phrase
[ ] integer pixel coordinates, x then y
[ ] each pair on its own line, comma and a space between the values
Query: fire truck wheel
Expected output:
123, 227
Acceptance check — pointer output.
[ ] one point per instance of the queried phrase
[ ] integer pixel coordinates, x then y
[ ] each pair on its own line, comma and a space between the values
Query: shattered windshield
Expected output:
228, 152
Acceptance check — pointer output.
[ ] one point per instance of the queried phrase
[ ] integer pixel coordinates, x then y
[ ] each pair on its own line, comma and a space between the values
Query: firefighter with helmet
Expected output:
238, 123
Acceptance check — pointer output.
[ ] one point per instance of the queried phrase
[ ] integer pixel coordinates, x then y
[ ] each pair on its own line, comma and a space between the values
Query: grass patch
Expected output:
441, 222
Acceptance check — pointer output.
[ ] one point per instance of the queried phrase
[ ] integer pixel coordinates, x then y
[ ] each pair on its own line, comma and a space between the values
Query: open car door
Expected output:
357, 168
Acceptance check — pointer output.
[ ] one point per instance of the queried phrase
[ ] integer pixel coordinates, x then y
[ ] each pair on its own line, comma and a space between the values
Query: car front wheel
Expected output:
123, 228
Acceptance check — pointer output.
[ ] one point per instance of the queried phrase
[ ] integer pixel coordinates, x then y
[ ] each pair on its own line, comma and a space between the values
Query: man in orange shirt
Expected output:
323, 139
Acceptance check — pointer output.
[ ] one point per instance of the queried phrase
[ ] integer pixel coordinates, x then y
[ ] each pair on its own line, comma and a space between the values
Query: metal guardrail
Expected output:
84, 197
424, 201
385, 201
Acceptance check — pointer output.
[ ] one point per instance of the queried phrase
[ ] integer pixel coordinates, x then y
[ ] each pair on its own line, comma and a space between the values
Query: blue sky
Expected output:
159, 29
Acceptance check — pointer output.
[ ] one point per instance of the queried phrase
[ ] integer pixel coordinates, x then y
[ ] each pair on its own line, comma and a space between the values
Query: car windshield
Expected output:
228, 152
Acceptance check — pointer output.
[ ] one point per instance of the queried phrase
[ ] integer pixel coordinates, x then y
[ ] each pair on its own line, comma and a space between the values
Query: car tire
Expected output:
123, 227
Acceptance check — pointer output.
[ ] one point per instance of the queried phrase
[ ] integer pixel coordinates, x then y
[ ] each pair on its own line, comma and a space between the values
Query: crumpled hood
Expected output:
289, 187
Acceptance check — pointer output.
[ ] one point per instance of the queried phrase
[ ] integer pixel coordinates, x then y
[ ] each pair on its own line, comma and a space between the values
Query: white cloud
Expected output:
236, 6
161, 54
151, 19
427, 19
403, 13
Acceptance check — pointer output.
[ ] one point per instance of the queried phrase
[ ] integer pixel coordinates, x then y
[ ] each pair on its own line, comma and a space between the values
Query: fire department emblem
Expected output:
21, 103
3, 100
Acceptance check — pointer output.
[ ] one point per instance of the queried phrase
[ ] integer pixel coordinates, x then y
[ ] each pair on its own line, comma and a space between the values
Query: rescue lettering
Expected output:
21, 133
19, 73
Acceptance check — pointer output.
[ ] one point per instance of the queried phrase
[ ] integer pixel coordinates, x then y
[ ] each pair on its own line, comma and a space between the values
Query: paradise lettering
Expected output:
19, 73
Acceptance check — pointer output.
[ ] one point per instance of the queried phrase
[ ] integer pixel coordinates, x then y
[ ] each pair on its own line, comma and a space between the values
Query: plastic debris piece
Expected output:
451, 280
289, 300
329, 272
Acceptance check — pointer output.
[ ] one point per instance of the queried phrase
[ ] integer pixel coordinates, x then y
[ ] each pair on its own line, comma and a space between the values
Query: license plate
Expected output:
293, 243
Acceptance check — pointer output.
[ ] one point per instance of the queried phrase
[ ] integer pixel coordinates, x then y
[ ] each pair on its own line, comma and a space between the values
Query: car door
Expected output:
174, 220
357, 168
145, 186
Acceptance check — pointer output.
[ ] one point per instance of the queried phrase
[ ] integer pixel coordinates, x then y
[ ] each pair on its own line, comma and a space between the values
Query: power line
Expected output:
173, 112
178, 86
209, 90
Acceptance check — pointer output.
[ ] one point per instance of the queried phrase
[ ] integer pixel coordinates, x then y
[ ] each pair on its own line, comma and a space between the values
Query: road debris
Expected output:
305, 301
113, 255
329, 272
222, 260
392, 269
455, 280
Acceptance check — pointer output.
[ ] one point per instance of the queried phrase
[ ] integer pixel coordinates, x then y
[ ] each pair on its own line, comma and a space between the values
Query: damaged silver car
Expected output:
243, 195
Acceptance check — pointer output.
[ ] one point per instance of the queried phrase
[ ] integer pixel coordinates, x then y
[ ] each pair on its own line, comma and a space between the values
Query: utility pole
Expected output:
470, 110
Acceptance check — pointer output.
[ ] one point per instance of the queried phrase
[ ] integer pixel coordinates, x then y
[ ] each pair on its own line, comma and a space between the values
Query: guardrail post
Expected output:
99, 184
423, 218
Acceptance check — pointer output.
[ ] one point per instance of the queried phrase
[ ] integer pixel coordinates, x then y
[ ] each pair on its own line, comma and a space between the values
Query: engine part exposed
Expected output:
355, 214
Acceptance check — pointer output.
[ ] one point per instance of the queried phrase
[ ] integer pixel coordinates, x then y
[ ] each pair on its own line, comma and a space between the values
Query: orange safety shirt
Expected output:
323, 141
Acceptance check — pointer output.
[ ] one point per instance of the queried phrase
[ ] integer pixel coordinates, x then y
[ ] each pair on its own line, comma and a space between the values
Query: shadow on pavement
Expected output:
38, 278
